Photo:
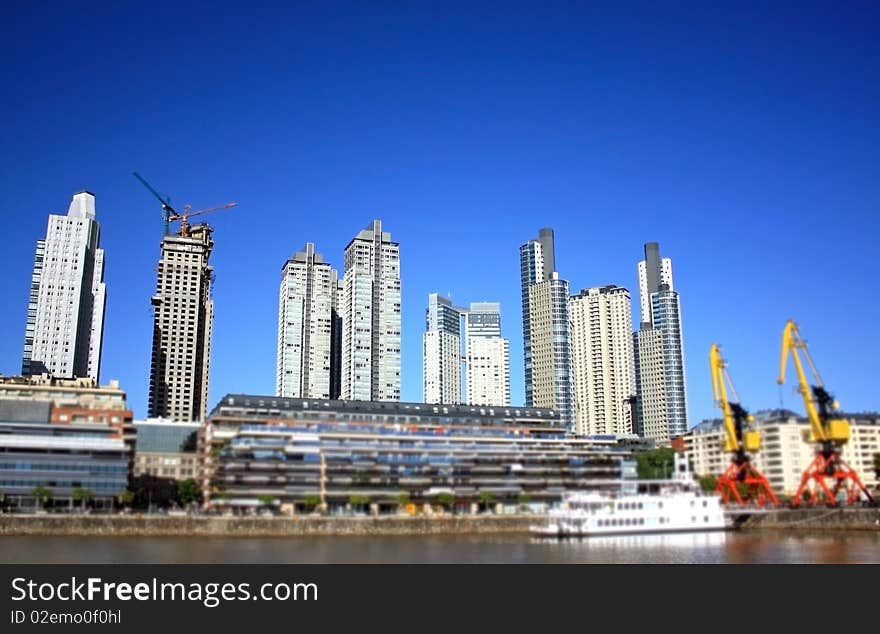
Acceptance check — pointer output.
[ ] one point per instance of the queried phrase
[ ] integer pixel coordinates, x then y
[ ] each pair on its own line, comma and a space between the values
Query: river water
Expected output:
736, 547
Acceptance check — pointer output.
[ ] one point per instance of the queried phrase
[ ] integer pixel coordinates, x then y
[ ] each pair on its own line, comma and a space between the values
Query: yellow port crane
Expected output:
827, 473
741, 482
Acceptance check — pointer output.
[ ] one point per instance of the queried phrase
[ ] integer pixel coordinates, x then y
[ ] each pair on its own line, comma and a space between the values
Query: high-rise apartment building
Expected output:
546, 345
602, 360
661, 405
307, 363
441, 352
656, 269
370, 310
183, 314
487, 356
65, 319
536, 261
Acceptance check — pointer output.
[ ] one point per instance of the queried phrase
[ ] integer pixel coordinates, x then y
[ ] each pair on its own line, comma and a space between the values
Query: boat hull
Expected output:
556, 531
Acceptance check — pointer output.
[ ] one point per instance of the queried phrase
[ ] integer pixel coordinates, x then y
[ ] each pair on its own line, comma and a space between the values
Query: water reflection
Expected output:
677, 548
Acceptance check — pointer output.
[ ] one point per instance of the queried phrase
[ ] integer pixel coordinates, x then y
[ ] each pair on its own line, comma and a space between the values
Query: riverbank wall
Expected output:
211, 526
135, 525
813, 519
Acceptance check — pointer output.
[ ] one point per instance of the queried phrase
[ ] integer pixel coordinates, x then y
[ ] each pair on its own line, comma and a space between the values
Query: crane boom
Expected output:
817, 402
184, 226
168, 212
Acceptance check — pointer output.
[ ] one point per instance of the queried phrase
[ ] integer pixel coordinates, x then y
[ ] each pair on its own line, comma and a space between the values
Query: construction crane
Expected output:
739, 441
184, 226
827, 472
170, 215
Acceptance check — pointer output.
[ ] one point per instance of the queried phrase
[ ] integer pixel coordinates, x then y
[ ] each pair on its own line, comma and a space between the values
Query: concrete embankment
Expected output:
202, 526
135, 525
816, 519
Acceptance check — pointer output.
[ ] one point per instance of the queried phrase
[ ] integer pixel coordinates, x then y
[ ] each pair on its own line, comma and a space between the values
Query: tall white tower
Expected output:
65, 322
487, 356
370, 311
441, 352
602, 360
306, 364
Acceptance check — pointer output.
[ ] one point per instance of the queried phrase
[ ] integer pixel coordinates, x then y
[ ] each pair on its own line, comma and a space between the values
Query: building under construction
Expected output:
183, 312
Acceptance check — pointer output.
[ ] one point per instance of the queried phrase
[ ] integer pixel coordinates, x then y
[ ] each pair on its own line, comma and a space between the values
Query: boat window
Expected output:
705, 518
661, 505
705, 503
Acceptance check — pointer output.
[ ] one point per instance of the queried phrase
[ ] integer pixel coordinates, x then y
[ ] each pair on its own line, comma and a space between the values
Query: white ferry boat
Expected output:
666, 506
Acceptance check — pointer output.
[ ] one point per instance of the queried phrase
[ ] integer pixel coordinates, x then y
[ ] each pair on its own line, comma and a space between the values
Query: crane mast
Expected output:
741, 482
827, 475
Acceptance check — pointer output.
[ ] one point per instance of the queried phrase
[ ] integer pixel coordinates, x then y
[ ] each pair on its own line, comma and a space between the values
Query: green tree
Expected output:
708, 483
877, 466
126, 498
524, 498
358, 500
266, 500
655, 464
486, 499
311, 502
83, 496
446, 500
188, 491
41, 494
402, 498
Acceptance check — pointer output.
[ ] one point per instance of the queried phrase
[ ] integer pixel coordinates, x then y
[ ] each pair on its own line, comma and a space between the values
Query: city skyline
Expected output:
703, 140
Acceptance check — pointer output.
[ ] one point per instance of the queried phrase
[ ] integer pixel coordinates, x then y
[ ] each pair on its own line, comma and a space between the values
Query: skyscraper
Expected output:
546, 345
183, 314
487, 356
661, 404
653, 271
602, 360
441, 352
536, 263
65, 321
370, 310
307, 334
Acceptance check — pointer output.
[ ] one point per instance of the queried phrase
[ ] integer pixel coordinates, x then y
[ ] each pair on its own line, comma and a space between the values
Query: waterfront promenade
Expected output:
132, 525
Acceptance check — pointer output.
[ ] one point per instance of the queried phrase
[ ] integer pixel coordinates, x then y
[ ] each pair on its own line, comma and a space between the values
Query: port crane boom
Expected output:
827, 473
741, 482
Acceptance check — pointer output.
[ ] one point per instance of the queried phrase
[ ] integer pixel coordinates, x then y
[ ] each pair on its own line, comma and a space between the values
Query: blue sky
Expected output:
743, 139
